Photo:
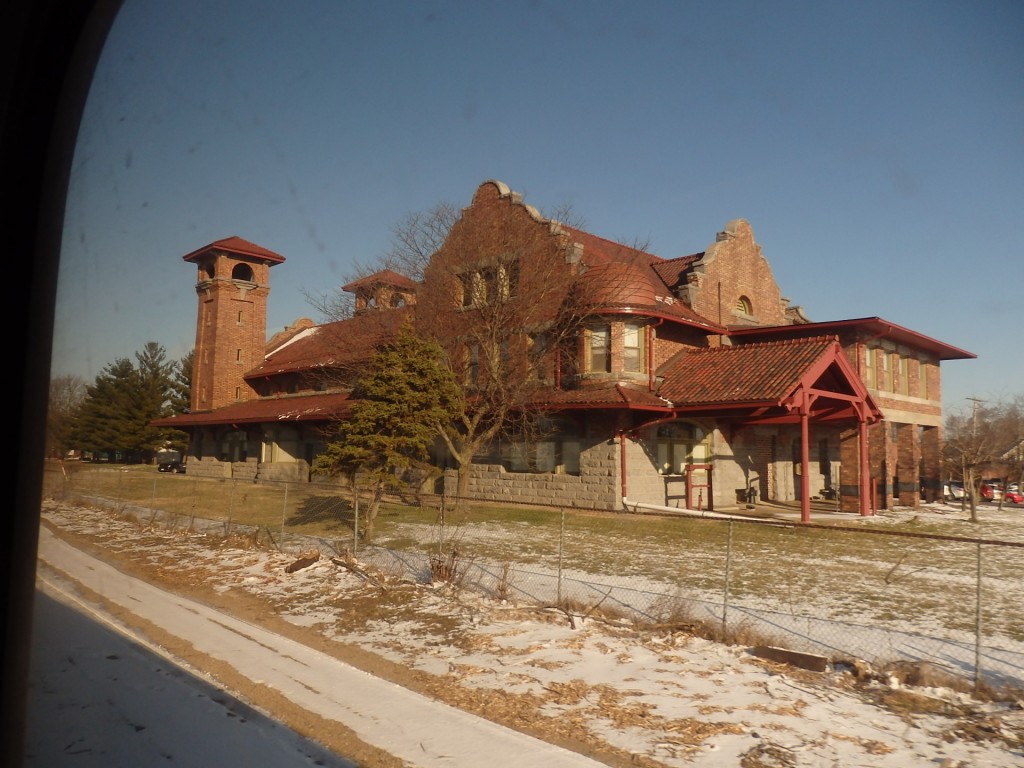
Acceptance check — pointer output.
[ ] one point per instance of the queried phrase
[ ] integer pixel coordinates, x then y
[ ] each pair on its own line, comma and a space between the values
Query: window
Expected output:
537, 351
922, 378
468, 281
869, 368
242, 272
885, 382
904, 375
239, 321
489, 285
553, 448
510, 279
743, 306
680, 444
473, 365
599, 350
633, 348
238, 355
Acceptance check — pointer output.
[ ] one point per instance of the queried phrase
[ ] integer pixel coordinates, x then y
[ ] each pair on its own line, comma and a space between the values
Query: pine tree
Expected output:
115, 416
400, 406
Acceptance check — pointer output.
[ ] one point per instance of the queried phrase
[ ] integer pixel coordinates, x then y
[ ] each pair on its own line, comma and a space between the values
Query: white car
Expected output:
953, 490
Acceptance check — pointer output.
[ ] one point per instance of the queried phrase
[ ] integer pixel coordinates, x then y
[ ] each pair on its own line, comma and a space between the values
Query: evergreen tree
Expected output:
400, 406
101, 426
181, 385
115, 416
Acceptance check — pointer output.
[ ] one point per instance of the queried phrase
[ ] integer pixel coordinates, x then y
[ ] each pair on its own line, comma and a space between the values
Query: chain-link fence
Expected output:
848, 591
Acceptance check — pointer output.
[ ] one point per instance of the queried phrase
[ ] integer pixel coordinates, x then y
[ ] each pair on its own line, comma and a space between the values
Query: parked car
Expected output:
1016, 497
171, 466
953, 490
991, 490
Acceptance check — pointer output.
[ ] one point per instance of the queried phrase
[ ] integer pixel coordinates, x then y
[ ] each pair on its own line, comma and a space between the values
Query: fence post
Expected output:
725, 590
284, 512
977, 625
561, 547
355, 526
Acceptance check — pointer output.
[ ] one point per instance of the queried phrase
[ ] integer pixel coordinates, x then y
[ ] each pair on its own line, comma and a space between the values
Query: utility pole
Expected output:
974, 415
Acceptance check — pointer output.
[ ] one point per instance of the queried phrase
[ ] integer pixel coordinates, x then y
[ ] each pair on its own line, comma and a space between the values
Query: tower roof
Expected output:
236, 245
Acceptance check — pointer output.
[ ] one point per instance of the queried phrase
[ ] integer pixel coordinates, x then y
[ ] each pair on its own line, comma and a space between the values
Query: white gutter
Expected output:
636, 506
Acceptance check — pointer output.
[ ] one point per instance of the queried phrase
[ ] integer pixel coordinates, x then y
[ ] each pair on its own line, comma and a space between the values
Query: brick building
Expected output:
682, 383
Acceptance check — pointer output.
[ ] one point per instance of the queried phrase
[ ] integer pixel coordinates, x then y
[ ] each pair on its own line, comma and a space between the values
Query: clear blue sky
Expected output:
876, 148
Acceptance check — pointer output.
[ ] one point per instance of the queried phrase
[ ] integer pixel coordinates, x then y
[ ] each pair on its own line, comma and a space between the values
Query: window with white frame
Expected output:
633, 347
599, 349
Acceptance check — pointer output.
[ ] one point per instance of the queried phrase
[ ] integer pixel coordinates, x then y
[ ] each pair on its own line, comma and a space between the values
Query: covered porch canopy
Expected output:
797, 381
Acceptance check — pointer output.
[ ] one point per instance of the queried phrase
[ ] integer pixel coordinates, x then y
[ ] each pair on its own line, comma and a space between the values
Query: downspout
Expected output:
805, 459
622, 465
651, 336
865, 467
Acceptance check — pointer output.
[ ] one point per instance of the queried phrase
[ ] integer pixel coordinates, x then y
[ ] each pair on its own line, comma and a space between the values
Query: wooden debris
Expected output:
351, 566
809, 661
305, 560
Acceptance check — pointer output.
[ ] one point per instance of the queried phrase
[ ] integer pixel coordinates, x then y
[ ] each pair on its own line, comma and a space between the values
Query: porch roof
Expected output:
769, 382
321, 406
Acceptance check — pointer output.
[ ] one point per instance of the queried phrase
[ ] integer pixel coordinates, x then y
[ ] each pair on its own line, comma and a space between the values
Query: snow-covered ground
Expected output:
650, 698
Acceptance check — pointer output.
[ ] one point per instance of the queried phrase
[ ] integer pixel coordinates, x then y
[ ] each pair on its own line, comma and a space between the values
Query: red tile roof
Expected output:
237, 245
622, 286
384, 277
609, 394
875, 327
752, 373
318, 406
673, 271
332, 345
598, 250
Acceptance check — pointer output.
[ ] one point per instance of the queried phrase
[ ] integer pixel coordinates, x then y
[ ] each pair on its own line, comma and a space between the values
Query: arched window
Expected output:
743, 306
242, 272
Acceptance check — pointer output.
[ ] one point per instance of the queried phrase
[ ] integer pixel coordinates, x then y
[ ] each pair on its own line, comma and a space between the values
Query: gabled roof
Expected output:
768, 380
235, 244
320, 406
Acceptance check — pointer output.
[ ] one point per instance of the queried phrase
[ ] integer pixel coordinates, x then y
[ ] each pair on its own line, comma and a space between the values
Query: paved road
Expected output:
417, 729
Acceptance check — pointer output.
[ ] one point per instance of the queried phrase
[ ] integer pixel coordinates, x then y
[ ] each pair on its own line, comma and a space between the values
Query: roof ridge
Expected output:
772, 343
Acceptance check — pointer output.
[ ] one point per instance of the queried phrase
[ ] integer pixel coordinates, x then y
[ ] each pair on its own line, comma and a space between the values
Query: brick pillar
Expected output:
931, 459
882, 461
849, 470
908, 465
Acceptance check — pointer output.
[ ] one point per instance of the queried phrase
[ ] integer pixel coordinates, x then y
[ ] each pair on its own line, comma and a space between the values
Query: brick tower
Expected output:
231, 328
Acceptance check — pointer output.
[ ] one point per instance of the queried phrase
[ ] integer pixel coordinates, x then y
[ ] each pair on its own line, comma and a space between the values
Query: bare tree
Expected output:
66, 396
505, 298
502, 290
971, 445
